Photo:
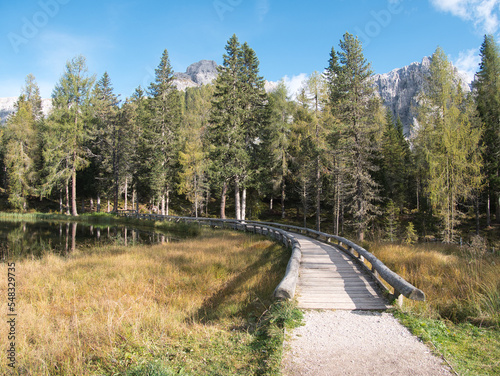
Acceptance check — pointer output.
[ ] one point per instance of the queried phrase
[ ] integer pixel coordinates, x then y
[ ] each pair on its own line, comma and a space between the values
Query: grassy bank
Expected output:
461, 316
199, 307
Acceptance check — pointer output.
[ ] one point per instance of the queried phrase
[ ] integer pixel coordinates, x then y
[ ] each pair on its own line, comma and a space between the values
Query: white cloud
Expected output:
294, 84
484, 13
263, 8
468, 63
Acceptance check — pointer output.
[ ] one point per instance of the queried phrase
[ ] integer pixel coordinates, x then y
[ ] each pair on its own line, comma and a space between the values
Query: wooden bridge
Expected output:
324, 271
330, 279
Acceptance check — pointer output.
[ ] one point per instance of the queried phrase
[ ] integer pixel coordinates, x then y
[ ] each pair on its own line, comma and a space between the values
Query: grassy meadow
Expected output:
197, 307
461, 316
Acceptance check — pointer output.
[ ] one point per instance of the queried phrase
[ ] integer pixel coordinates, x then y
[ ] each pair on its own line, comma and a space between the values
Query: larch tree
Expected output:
19, 144
193, 180
316, 96
449, 142
31, 93
277, 141
68, 129
487, 95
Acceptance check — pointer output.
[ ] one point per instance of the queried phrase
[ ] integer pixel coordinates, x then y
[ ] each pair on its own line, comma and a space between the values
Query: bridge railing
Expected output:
281, 232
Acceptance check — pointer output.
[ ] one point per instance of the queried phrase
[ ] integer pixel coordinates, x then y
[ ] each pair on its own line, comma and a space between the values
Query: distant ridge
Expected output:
399, 90
7, 107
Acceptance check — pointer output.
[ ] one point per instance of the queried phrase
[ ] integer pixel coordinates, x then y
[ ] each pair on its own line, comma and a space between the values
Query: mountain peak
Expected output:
201, 73
399, 89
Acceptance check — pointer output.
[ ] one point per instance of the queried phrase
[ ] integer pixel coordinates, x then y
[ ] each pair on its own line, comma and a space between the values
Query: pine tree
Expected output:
239, 114
487, 93
254, 122
135, 119
395, 158
68, 129
163, 133
105, 139
351, 103
449, 143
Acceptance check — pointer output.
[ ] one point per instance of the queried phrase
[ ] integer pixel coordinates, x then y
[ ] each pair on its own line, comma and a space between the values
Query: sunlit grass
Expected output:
189, 307
461, 315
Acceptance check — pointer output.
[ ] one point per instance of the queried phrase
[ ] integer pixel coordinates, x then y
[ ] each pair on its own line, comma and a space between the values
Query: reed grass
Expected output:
461, 283
191, 308
461, 316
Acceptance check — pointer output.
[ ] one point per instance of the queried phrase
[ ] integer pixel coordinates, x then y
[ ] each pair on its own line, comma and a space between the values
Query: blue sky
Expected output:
292, 38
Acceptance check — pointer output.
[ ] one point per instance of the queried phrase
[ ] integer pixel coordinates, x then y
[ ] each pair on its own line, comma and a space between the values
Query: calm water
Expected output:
33, 239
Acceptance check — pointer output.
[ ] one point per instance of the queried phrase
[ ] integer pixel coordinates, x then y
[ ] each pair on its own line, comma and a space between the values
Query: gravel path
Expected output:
357, 343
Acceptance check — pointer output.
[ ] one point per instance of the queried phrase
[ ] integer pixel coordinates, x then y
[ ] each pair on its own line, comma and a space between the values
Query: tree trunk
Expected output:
74, 210
418, 197
206, 203
243, 204
109, 205
318, 196
133, 199
98, 202
163, 204
167, 203
271, 203
237, 202
488, 211
477, 213
83, 205
304, 203
283, 197
497, 211
223, 201
67, 198
336, 214
60, 202
126, 193
361, 235
117, 188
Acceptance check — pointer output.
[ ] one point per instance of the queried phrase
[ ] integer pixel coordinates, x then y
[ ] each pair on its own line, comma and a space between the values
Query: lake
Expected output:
33, 239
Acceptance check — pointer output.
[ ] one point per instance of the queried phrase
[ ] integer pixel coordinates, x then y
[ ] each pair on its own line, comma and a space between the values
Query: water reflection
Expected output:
34, 239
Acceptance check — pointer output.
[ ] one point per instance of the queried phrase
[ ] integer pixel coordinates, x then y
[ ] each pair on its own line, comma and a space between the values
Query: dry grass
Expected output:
113, 309
460, 283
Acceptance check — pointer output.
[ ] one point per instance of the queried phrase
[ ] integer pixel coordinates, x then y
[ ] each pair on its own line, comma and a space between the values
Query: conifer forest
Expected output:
330, 158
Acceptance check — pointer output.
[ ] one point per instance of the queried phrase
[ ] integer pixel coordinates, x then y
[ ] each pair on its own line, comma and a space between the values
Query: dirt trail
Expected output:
357, 343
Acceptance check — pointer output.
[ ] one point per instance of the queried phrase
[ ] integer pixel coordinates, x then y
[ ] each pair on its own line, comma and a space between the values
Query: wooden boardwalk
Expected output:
329, 279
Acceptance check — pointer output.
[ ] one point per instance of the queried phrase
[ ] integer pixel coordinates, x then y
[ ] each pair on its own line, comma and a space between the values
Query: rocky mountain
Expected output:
201, 73
400, 88
205, 72
7, 107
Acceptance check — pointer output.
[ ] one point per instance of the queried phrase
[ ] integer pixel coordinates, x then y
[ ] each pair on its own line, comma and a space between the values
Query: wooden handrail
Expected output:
281, 232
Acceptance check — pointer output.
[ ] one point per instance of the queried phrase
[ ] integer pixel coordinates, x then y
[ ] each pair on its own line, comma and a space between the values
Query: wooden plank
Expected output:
345, 306
329, 279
